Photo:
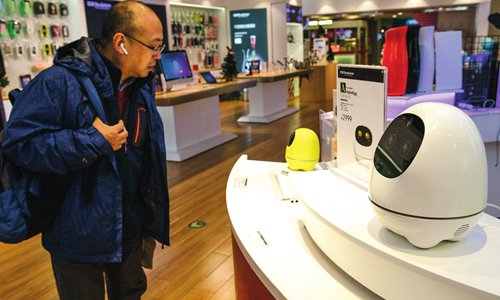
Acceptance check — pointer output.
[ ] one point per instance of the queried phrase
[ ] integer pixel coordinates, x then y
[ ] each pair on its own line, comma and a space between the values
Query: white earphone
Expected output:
123, 48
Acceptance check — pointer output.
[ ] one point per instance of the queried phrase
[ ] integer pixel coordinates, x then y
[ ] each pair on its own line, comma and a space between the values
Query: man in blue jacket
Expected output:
118, 196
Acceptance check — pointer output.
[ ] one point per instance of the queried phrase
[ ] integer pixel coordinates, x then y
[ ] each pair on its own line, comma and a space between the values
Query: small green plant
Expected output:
4, 81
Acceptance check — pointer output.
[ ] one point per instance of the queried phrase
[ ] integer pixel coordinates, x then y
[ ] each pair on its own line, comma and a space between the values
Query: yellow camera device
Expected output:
302, 152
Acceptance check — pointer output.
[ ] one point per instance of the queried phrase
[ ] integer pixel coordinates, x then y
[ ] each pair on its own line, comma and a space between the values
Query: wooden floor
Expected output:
198, 264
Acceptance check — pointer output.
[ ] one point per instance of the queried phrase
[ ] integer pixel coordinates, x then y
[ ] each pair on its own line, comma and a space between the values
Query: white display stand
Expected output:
268, 101
192, 127
426, 47
272, 238
191, 118
342, 223
280, 239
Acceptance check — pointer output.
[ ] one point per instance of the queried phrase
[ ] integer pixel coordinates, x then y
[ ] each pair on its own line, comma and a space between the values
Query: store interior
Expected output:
264, 231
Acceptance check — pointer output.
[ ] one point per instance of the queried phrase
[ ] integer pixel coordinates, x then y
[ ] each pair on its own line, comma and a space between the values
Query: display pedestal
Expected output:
192, 128
191, 118
269, 99
268, 102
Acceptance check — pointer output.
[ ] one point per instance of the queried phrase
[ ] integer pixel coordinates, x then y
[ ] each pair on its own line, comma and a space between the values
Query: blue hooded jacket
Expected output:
50, 131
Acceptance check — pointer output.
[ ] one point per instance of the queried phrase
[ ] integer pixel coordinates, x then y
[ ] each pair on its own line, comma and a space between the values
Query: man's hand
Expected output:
116, 135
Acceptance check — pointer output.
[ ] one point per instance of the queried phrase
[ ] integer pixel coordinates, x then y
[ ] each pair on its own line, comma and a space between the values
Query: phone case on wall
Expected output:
65, 31
44, 31
3, 28
46, 50
38, 8
25, 8
29, 27
7, 50
63, 10
51, 9
11, 7
33, 51
395, 58
19, 50
55, 31
13, 28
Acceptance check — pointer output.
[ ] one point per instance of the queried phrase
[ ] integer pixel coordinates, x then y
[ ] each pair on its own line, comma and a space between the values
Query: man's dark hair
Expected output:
120, 18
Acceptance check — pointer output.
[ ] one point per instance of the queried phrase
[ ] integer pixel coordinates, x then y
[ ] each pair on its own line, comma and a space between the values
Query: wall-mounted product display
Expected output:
196, 29
249, 36
295, 39
32, 31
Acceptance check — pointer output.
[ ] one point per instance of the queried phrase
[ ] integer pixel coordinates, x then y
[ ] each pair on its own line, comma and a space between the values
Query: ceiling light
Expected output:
457, 8
325, 22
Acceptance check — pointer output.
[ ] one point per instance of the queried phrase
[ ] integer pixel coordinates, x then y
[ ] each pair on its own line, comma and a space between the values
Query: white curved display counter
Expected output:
271, 236
286, 257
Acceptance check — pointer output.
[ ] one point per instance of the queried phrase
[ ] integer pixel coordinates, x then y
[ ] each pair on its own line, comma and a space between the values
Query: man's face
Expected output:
141, 59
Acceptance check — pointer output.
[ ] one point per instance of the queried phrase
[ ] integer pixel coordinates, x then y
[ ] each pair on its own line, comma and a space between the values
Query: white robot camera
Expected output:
429, 181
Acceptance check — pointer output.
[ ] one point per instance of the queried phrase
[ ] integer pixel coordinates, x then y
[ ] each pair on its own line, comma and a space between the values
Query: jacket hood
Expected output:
81, 56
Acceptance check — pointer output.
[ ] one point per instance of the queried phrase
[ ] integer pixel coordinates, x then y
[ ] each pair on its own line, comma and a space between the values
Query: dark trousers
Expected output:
125, 280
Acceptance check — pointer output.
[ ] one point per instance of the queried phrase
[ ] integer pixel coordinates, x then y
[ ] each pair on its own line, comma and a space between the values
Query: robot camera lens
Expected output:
405, 148
390, 140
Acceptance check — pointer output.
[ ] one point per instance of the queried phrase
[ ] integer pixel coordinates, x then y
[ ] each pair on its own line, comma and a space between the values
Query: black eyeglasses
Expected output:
156, 50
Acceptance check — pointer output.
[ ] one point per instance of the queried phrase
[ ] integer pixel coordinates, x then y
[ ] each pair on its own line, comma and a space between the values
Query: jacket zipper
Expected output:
138, 124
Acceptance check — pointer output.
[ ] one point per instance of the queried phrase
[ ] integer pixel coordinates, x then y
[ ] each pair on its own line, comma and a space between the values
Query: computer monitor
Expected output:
175, 67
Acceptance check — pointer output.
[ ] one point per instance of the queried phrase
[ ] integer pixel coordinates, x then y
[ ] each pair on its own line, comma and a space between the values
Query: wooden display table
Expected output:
269, 100
320, 85
191, 118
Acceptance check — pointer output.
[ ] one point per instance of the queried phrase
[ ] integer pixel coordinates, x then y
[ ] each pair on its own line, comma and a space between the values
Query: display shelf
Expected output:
29, 37
200, 31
